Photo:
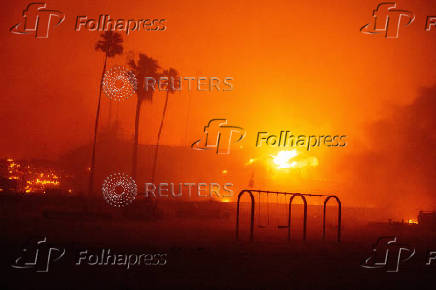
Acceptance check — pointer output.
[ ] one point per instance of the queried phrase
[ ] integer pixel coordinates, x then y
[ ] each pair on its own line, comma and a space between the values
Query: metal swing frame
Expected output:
293, 195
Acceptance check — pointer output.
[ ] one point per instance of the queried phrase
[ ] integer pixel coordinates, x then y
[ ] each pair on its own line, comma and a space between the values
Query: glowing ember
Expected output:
412, 221
31, 179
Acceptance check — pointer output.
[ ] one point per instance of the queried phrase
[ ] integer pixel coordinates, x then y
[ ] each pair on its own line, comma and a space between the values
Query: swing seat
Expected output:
282, 227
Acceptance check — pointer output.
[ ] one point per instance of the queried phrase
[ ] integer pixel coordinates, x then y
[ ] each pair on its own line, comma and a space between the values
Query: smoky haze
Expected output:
397, 171
312, 73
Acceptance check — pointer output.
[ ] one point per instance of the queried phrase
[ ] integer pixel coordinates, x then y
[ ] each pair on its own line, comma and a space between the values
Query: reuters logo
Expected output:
119, 189
119, 83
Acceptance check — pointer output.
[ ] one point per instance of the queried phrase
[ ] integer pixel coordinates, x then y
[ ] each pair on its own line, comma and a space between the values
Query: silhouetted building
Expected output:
427, 218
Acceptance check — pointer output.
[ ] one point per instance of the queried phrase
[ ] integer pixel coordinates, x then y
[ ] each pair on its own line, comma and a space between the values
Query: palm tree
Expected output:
111, 44
146, 67
173, 83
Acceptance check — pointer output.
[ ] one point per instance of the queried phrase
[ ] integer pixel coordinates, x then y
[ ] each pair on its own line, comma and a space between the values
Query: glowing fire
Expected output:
31, 179
282, 159
285, 159
412, 221
38, 184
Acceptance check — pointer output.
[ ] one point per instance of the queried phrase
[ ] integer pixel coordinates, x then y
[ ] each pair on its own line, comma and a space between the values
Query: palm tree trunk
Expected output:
187, 119
110, 114
97, 117
158, 137
136, 140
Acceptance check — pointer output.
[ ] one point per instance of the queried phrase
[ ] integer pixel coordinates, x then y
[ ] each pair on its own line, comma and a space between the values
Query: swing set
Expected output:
303, 197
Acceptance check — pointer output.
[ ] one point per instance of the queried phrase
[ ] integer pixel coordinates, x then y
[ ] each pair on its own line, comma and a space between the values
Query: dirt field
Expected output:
199, 248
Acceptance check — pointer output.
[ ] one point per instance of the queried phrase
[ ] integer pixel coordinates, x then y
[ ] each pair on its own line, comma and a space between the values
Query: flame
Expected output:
38, 184
32, 179
412, 221
282, 159
285, 159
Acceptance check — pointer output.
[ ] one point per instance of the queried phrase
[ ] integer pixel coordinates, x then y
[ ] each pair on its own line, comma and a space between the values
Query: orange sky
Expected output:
297, 65
300, 65
286, 57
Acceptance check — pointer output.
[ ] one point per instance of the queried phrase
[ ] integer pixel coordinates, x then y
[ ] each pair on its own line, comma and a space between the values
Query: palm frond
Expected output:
110, 43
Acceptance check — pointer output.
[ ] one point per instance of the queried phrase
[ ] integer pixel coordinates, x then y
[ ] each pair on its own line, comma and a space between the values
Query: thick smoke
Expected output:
398, 172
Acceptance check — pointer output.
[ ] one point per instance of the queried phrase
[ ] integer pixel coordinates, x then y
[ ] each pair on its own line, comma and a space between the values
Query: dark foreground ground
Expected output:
197, 248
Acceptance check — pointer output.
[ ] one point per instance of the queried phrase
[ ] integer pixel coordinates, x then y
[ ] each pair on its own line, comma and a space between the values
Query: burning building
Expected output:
26, 177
